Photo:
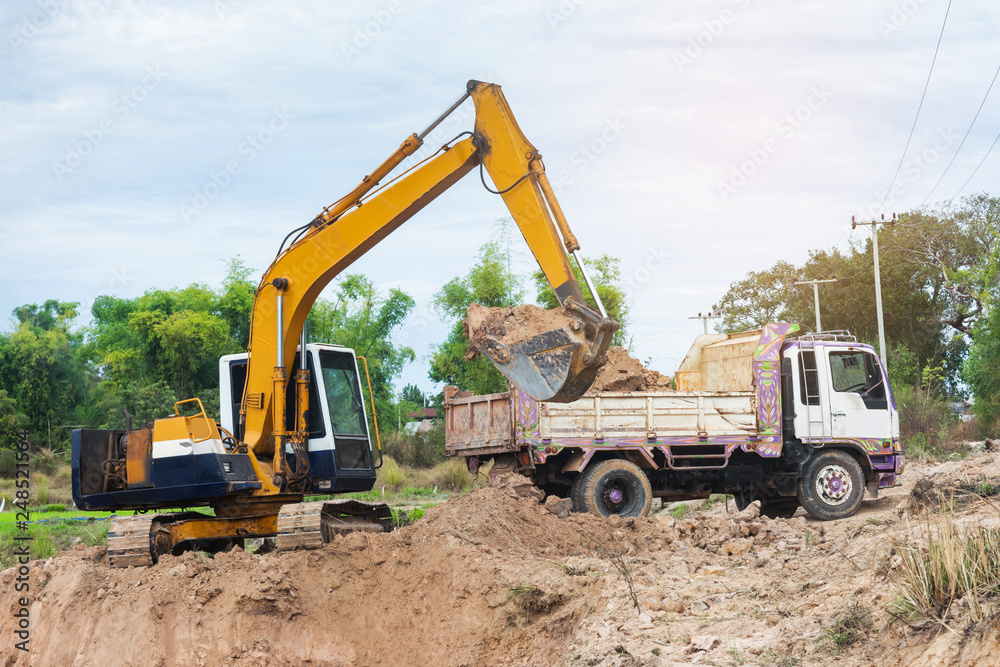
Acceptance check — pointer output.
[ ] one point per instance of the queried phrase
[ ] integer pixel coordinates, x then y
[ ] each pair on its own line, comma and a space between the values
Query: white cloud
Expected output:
655, 184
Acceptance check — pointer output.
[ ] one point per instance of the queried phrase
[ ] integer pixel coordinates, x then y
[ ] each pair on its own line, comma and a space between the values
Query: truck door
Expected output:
812, 404
859, 401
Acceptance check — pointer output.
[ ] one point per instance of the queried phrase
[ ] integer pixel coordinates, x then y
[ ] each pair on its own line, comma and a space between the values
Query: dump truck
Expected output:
789, 422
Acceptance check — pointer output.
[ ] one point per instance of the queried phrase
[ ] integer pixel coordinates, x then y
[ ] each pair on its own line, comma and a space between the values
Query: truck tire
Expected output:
574, 493
833, 486
617, 487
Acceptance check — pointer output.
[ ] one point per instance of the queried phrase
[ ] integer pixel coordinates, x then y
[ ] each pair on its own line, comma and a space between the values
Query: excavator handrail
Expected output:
378, 439
202, 414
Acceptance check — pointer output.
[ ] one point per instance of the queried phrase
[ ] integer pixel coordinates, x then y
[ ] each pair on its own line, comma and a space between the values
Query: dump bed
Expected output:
729, 396
500, 423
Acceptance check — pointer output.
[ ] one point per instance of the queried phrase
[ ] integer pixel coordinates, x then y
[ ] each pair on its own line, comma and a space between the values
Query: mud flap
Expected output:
501, 465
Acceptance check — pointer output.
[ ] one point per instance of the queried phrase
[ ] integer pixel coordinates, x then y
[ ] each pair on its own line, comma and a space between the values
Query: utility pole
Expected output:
878, 280
815, 284
705, 318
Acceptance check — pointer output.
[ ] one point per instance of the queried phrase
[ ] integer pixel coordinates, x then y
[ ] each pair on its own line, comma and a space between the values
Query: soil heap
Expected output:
625, 373
509, 325
496, 577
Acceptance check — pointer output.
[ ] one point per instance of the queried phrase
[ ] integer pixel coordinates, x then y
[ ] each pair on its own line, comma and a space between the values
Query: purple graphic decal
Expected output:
766, 377
525, 417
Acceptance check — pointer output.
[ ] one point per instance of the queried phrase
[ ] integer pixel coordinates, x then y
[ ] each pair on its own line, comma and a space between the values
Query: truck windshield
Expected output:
343, 395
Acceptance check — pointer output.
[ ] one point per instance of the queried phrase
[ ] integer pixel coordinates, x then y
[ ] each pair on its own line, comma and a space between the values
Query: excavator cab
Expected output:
340, 451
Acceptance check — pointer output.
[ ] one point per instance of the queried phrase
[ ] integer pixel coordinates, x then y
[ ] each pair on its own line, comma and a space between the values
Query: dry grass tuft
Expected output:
956, 571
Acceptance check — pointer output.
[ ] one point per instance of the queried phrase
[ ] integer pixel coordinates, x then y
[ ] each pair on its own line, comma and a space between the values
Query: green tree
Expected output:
605, 272
762, 297
912, 294
364, 318
982, 370
412, 394
235, 301
44, 372
961, 245
174, 336
491, 283
12, 420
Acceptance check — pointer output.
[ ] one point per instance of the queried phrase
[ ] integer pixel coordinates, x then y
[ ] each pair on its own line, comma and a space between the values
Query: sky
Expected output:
145, 143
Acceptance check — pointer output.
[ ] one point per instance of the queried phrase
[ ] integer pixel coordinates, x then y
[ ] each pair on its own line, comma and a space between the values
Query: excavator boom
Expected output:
556, 365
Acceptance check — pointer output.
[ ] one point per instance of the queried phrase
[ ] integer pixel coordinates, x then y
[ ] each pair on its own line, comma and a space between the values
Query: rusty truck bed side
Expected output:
478, 425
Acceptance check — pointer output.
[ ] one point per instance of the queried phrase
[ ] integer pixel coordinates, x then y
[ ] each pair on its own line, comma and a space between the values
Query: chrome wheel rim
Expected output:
834, 484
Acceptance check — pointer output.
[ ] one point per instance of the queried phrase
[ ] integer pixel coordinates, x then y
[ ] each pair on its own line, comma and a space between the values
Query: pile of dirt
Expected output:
475, 582
504, 576
946, 489
509, 325
625, 373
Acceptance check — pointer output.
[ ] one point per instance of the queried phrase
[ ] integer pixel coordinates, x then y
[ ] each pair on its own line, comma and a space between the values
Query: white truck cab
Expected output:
841, 392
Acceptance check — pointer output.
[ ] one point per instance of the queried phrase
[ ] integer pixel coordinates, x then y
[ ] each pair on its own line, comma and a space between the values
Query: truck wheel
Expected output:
616, 487
574, 493
833, 486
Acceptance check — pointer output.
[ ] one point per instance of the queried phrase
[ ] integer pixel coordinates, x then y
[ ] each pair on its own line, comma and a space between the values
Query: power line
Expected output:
919, 107
976, 169
705, 318
962, 143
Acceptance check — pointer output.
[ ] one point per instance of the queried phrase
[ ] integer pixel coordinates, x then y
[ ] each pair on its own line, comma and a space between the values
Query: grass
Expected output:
58, 533
987, 488
713, 499
954, 564
850, 626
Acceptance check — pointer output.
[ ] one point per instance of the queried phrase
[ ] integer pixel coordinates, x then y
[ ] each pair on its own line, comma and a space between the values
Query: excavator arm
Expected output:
557, 365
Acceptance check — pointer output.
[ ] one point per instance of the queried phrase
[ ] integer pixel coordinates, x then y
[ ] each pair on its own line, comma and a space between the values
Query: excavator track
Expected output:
311, 525
130, 542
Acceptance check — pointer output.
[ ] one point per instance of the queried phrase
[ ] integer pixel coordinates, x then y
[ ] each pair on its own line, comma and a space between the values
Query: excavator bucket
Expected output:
557, 365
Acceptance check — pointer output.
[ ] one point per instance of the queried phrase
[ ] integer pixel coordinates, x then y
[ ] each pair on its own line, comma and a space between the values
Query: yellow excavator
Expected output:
293, 416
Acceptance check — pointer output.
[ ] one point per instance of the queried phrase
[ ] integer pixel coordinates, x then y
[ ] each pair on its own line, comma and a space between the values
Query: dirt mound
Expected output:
495, 577
944, 489
475, 582
509, 325
624, 373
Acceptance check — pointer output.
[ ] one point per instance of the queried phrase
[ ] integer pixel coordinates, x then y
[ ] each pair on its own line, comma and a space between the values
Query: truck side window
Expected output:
808, 378
858, 373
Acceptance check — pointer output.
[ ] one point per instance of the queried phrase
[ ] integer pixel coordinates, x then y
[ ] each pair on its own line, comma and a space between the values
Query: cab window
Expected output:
858, 373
